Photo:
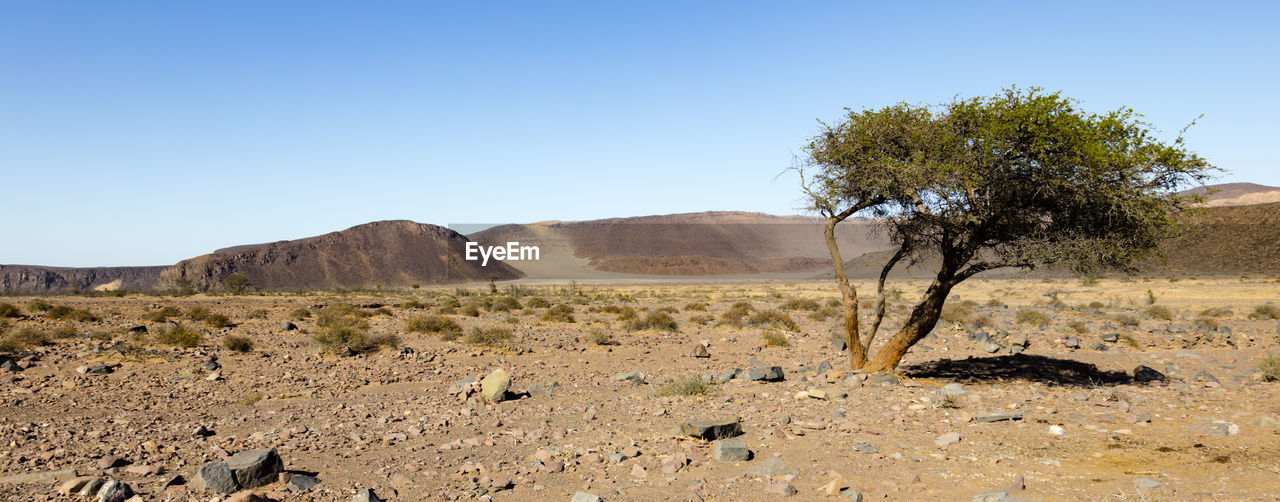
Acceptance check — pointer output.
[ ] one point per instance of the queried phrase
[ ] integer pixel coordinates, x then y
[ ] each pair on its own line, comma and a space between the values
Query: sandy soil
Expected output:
396, 420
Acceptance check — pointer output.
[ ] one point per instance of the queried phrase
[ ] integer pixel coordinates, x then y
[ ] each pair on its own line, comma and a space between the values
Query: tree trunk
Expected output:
857, 356
922, 320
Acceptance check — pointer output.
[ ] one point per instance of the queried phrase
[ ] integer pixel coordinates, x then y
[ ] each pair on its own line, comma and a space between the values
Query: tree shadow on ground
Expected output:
1017, 367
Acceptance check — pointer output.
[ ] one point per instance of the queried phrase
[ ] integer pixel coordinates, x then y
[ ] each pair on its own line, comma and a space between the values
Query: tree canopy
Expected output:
1020, 179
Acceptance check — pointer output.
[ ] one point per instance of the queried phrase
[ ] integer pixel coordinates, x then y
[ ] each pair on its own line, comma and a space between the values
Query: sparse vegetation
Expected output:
412, 305
558, 313
696, 307
822, 314
1160, 312
773, 319
10, 310
258, 314
1029, 316
538, 302
736, 315
343, 330
489, 337
238, 343
433, 324
217, 321
1265, 312
1127, 320
775, 339
956, 313
599, 336
22, 339
800, 304
1129, 340
691, 385
299, 314
1270, 368
39, 306
660, 321
65, 313
198, 313
1217, 312
178, 335
235, 283
1078, 326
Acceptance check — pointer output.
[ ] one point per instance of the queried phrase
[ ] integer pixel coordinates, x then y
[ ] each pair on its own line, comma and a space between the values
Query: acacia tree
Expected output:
1020, 179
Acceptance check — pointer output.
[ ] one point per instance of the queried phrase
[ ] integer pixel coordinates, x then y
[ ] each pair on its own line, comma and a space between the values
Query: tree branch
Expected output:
880, 297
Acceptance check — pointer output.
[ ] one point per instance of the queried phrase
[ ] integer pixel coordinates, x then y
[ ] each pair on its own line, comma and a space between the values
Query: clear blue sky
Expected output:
139, 133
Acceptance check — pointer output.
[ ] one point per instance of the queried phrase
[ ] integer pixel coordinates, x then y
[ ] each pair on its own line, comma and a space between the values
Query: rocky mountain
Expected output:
38, 279
1237, 194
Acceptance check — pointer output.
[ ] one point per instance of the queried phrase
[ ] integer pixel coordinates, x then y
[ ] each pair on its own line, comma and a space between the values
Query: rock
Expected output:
730, 450
638, 471
711, 431
1071, 342
98, 369
114, 491
999, 416
700, 350
771, 467
1018, 484
254, 468
1147, 374
1219, 428
302, 482
494, 387
10, 365
882, 379
1110, 337
584, 497
853, 494
980, 335
1080, 396
366, 495
765, 373
1206, 377
781, 488
214, 476
40, 477
544, 390
1019, 340
288, 326
111, 461
1146, 484
90, 489
74, 485
249, 496
816, 394
952, 389
865, 449
991, 348
1057, 430
839, 343
629, 376
947, 439
1099, 346
1265, 422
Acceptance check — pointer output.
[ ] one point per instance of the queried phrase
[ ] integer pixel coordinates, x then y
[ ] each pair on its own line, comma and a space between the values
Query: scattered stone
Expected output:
1018, 484
74, 485
730, 450
1110, 337
584, 497
852, 494
302, 482
91, 488
1019, 340
839, 343
105, 463
254, 468
1080, 396
1146, 484
952, 389
1057, 430
700, 350
288, 326
494, 387
781, 488
10, 365
214, 476
366, 495
771, 467
249, 496
1206, 377
947, 439
114, 491
40, 477
544, 390
98, 369
999, 416
1099, 346
865, 449
991, 348
1146, 374
1071, 342
1265, 422
635, 376
765, 373
711, 431
1219, 428
883, 379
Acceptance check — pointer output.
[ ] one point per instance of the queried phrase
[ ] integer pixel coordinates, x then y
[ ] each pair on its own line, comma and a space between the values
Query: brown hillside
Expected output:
390, 253
708, 243
34, 279
1237, 194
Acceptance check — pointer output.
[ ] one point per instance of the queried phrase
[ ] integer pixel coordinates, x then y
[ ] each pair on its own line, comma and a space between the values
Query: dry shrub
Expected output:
1028, 316
238, 343
1160, 312
1265, 312
800, 304
489, 337
23, 339
775, 339
692, 385
433, 324
178, 335
10, 310
773, 319
660, 321
558, 313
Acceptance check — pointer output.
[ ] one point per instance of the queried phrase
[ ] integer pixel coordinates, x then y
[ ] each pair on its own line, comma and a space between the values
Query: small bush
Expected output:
258, 314
800, 304
702, 320
39, 306
774, 320
63, 332
217, 321
1129, 340
1028, 316
22, 339
835, 303
1160, 312
237, 343
178, 335
433, 324
949, 401
1151, 297
488, 337
413, 304
198, 313
344, 335
538, 302
736, 315
1265, 312
668, 309
250, 399
696, 307
450, 302
1217, 312
299, 314
9, 310
1208, 323
692, 385
1097, 305
1270, 368
504, 304
982, 321
661, 321
559, 313
471, 311
1127, 320
956, 314
1078, 327
627, 313
601, 337
995, 302
822, 314
65, 313
775, 339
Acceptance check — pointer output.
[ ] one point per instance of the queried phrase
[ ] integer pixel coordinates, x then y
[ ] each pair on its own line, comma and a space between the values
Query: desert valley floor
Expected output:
603, 377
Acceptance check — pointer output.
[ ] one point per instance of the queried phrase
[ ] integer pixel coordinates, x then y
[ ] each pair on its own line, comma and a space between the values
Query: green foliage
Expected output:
1028, 316
691, 385
39, 306
433, 324
471, 311
235, 283
178, 335
413, 304
538, 302
1270, 368
773, 319
489, 337
660, 321
238, 343
10, 310
1265, 312
558, 313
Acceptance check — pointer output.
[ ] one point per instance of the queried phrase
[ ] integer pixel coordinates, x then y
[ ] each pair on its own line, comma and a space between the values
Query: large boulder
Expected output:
254, 468
494, 387
215, 477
